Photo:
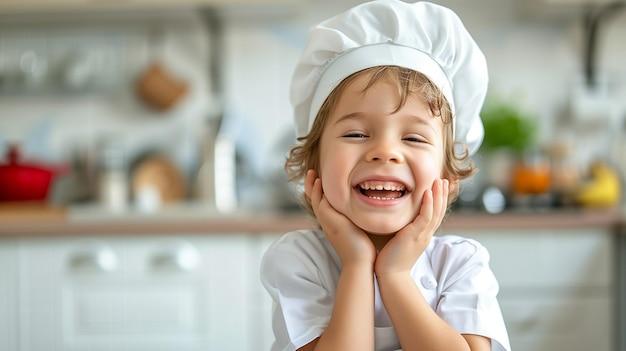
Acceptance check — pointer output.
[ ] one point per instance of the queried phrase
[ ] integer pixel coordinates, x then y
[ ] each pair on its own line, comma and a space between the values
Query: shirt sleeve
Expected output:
469, 289
302, 304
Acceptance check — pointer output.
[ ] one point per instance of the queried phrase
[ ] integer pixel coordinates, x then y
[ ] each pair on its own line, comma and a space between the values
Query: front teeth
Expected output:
378, 186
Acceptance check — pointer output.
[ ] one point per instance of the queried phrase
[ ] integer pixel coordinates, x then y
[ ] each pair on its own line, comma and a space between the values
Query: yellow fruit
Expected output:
604, 190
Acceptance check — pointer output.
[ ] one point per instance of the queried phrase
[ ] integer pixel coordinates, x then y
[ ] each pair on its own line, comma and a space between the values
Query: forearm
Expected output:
351, 325
418, 327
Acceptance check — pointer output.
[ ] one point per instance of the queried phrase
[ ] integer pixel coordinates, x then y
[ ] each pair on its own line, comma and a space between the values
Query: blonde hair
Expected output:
410, 83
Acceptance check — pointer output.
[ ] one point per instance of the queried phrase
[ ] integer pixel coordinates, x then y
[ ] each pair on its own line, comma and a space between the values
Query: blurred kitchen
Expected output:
141, 151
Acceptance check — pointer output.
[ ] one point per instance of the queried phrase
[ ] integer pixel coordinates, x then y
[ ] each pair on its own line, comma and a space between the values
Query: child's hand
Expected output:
350, 242
400, 253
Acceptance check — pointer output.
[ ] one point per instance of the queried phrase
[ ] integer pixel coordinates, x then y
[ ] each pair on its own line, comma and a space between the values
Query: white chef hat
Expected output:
422, 36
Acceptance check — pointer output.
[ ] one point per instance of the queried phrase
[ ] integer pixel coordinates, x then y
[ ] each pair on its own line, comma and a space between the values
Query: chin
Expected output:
381, 227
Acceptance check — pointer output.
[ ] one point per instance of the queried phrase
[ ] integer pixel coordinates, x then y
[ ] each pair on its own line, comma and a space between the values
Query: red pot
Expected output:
25, 182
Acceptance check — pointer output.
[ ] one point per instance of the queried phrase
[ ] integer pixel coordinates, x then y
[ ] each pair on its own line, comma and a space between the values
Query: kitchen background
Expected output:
165, 125
70, 90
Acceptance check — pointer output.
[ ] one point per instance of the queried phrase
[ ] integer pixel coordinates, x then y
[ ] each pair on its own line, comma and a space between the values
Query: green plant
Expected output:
507, 127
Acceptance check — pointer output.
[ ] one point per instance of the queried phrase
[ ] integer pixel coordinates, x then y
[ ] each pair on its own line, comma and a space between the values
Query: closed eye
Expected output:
355, 135
415, 139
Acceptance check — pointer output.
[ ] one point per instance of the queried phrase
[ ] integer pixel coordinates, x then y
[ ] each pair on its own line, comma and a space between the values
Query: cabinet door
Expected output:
555, 287
569, 259
149, 297
554, 322
8, 294
260, 305
140, 293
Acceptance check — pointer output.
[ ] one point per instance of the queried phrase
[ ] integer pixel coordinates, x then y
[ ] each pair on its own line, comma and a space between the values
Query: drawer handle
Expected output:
177, 255
95, 258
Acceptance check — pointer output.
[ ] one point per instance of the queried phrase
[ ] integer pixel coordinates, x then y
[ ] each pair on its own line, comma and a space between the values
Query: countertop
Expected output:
40, 220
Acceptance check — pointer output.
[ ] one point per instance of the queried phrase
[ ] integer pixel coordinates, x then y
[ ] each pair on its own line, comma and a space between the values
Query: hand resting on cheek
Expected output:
402, 251
351, 242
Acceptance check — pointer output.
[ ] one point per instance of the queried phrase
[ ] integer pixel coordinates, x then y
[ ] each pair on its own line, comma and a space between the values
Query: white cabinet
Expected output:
555, 287
8, 295
202, 291
191, 292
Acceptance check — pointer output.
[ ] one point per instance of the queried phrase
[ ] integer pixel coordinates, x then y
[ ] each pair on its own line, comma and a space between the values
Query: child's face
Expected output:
366, 146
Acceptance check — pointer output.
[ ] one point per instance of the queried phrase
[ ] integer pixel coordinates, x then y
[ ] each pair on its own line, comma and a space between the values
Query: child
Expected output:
386, 100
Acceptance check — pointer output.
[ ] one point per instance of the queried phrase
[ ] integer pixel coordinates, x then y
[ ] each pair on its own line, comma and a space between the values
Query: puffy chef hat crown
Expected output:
422, 36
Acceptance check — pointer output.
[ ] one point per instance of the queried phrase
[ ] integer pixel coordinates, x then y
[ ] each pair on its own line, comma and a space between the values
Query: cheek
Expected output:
333, 163
335, 174
425, 175
334, 191
333, 178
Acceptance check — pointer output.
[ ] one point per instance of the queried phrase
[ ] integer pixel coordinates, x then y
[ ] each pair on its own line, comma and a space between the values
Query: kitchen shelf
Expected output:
65, 6
197, 218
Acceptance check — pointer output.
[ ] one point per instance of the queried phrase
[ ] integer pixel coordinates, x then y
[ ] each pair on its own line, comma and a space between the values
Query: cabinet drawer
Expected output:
554, 323
543, 258
158, 310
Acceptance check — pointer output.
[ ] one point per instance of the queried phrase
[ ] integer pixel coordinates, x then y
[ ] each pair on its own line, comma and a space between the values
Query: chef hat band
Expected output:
421, 36
374, 55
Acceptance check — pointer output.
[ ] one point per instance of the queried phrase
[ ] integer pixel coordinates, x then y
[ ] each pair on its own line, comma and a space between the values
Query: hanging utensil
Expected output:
158, 86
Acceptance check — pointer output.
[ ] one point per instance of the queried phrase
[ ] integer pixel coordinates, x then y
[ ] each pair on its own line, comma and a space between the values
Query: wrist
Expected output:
393, 277
356, 266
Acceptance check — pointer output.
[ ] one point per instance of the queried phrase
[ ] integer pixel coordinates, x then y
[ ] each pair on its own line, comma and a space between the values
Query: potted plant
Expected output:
507, 127
509, 148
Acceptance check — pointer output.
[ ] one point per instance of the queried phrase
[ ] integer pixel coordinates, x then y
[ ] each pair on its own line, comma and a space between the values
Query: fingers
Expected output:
309, 181
440, 199
349, 241
427, 208
401, 252
434, 205
441, 189
313, 189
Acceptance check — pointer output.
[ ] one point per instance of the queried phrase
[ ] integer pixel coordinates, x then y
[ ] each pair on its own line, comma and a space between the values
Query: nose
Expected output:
384, 151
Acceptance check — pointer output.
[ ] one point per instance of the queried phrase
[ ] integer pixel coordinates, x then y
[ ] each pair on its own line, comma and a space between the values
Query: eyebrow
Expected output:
350, 116
360, 115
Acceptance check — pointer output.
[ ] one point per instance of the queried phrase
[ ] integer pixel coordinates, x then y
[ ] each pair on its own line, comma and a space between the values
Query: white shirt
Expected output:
301, 269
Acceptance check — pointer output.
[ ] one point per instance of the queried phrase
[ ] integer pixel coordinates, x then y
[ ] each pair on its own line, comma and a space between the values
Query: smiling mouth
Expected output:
382, 190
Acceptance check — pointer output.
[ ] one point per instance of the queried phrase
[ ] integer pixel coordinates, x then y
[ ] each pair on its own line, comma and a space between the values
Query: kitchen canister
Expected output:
113, 188
216, 180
